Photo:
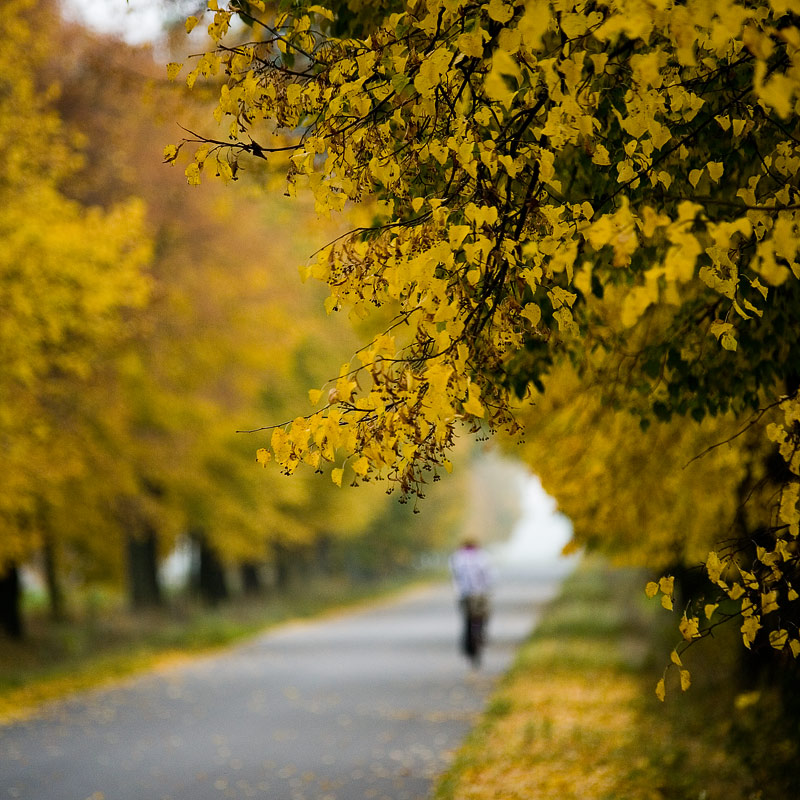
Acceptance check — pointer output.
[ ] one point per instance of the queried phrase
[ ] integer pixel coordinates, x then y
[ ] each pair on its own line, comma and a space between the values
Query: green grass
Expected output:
107, 642
577, 718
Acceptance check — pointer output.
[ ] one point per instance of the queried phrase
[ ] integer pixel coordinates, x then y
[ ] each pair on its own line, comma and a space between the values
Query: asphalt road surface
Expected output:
367, 704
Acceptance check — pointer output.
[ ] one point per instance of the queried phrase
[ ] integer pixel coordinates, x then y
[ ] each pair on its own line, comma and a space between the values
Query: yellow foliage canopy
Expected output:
614, 184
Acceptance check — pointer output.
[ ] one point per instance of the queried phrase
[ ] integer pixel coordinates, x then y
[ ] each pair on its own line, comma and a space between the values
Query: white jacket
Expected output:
469, 567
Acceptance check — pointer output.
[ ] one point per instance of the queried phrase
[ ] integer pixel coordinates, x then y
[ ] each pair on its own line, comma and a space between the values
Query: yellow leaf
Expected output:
336, 476
728, 341
715, 169
471, 44
601, 156
322, 11
714, 564
532, 312
473, 404
718, 328
651, 590
689, 628
778, 92
312, 458
723, 122
769, 602
778, 638
496, 86
263, 456
499, 11
173, 68
686, 679
190, 23
750, 628
710, 608
293, 92
746, 700
192, 173
694, 176
457, 234
314, 395
675, 658
360, 466
666, 602
661, 690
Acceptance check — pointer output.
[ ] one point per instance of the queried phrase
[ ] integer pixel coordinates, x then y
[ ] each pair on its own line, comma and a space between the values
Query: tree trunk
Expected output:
283, 569
10, 611
251, 578
55, 591
324, 554
145, 589
210, 576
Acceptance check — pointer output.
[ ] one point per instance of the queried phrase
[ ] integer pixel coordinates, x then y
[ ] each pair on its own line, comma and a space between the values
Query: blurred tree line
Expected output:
136, 340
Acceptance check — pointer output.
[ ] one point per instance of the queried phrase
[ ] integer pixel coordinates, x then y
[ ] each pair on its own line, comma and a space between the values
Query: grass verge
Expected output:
577, 718
57, 659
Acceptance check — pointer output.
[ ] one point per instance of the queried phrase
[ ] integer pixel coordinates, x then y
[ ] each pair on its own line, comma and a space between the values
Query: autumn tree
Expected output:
218, 331
69, 275
127, 441
610, 183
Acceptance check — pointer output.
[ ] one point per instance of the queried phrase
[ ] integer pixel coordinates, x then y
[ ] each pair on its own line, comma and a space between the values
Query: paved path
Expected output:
368, 704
